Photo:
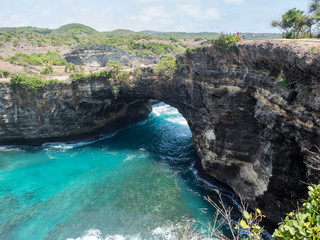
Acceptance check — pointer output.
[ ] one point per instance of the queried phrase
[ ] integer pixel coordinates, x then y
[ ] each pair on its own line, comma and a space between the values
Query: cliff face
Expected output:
257, 113
64, 112
252, 112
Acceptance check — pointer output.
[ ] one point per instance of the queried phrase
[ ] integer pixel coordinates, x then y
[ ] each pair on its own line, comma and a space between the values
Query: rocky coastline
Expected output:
253, 112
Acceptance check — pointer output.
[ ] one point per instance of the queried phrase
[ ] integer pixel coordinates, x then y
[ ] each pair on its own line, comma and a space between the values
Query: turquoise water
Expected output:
137, 183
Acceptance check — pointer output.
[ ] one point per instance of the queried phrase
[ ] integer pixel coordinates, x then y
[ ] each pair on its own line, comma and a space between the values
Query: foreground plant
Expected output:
247, 228
304, 223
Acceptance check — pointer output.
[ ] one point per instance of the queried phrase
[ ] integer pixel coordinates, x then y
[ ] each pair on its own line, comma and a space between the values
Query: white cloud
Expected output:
15, 20
235, 1
45, 12
155, 12
172, 1
197, 13
68, 2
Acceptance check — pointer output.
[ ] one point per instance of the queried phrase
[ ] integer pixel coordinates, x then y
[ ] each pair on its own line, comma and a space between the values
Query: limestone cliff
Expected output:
253, 113
70, 111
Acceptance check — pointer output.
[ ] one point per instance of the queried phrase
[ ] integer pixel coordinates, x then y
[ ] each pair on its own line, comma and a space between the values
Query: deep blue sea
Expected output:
136, 183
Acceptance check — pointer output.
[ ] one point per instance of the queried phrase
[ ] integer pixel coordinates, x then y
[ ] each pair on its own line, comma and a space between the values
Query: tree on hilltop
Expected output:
296, 23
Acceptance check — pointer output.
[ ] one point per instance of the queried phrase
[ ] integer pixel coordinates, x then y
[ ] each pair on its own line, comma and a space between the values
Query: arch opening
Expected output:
137, 181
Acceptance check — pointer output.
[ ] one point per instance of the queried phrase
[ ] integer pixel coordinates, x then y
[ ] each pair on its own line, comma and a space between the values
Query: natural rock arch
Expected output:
249, 131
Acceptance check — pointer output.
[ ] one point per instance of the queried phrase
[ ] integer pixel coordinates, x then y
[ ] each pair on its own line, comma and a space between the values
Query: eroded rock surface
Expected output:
252, 112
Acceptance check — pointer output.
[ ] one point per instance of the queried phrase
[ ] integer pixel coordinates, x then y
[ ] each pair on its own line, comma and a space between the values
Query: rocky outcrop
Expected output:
253, 114
98, 56
64, 112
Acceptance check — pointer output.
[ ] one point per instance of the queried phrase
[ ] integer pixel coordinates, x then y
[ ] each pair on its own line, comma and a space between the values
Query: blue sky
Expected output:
159, 15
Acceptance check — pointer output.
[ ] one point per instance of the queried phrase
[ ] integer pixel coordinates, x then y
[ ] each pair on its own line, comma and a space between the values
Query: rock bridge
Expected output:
253, 114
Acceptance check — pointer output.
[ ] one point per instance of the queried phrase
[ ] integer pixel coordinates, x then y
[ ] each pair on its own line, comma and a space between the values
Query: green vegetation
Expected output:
226, 42
47, 70
297, 24
75, 28
74, 35
250, 223
100, 76
4, 73
167, 67
116, 74
304, 223
39, 59
29, 82
71, 67
285, 83
151, 48
32, 83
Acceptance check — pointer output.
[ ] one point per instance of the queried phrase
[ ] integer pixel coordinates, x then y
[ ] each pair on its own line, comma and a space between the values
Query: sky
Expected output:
226, 16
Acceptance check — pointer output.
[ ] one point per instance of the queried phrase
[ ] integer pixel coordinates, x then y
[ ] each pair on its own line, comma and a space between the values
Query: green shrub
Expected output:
39, 59
188, 52
173, 39
152, 48
32, 83
226, 42
73, 68
70, 66
79, 76
285, 83
15, 43
167, 67
305, 223
101, 76
4, 73
47, 70
115, 66
53, 82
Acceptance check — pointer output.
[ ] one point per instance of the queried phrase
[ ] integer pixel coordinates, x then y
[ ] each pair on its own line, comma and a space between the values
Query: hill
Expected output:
75, 28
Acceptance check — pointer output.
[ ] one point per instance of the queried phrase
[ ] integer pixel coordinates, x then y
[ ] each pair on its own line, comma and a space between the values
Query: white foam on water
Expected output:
11, 149
72, 145
174, 232
164, 109
95, 234
130, 158
164, 233
92, 234
120, 237
178, 120
159, 110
